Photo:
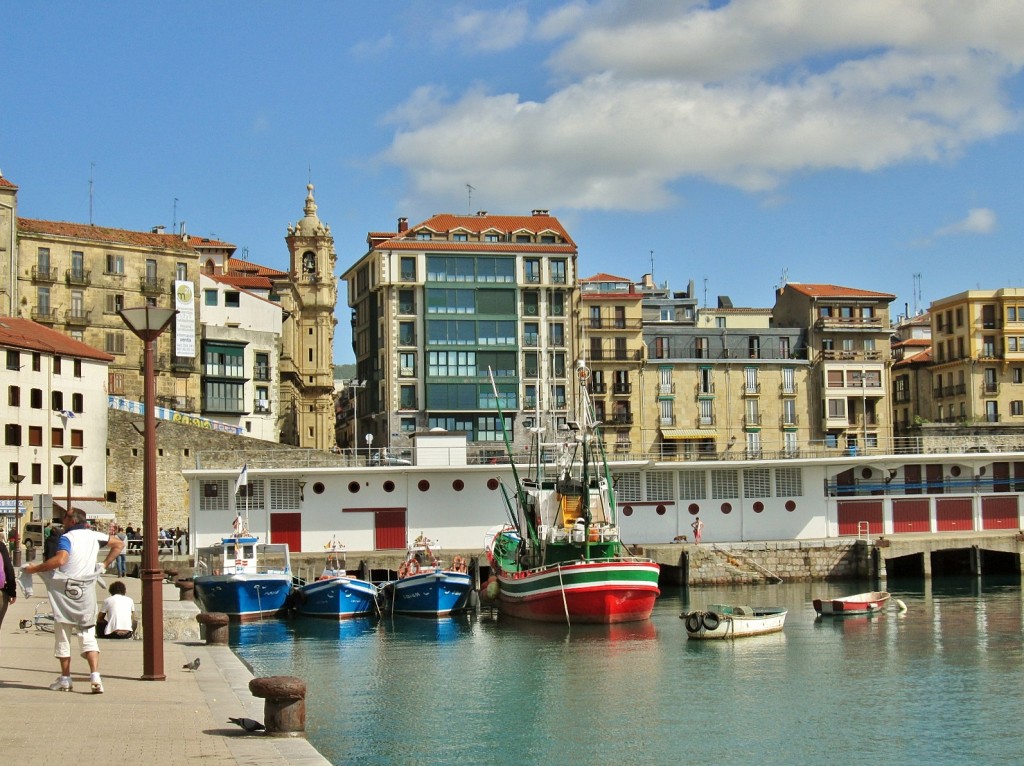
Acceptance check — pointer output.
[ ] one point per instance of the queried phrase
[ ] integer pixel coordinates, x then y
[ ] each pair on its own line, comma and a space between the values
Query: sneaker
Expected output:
62, 684
97, 684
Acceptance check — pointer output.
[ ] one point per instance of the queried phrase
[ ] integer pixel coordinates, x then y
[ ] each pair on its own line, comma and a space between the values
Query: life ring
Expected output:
403, 569
458, 564
711, 621
693, 622
412, 567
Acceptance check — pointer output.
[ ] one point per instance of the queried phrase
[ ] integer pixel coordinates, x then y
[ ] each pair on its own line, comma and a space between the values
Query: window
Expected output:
406, 302
531, 303
232, 299
556, 333
77, 438
114, 343
12, 435
13, 360
531, 270
35, 436
406, 364
56, 437
43, 261
181, 271
223, 396
531, 333
77, 265
836, 408
557, 304
57, 401
701, 348
76, 367
407, 333
210, 297
115, 264
37, 361
1017, 407
261, 366
57, 365
407, 269
789, 412
36, 398
407, 425
407, 397
262, 399
530, 366
529, 396
423, 235
223, 361
14, 396
77, 403
558, 271
492, 238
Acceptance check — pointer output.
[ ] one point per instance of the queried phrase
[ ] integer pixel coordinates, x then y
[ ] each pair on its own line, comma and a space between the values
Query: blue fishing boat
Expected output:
427, 588
336, 595
242, 578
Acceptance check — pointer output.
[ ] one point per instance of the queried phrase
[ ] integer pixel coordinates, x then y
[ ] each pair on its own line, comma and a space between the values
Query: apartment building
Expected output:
54, 412
848, 345
612, 345
728, 381
978, 358
440, 307
911, 372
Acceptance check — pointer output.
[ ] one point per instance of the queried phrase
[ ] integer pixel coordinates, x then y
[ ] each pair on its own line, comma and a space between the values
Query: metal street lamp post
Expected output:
68, 461
17, 478
356, 386
148, 322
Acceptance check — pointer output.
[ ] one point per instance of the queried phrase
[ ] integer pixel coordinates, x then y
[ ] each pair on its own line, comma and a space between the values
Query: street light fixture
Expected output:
17, 478
148, 322
68, 461
356, 386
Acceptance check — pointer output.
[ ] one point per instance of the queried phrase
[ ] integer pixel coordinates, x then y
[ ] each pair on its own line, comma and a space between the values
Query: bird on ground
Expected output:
194, 665
247, 723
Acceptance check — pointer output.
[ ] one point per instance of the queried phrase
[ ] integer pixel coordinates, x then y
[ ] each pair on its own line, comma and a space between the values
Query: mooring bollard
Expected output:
284, 706
216, 624
186, 590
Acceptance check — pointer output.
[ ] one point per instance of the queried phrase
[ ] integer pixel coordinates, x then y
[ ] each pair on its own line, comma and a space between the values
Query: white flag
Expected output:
243, 478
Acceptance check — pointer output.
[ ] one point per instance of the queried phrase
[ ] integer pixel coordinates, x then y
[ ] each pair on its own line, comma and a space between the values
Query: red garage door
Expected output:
953, 514
389, 530
999, 513
852, 512
287, 528
911, 515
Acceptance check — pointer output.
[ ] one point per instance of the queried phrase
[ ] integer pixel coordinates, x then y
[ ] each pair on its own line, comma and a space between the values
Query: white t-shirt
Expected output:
118, 611
83, 547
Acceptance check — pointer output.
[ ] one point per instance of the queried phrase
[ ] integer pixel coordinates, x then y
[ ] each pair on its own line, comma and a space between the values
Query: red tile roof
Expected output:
602, 277
16, 332
103, 234
7, 184
204, 242
238, 267
834, 291
478, 224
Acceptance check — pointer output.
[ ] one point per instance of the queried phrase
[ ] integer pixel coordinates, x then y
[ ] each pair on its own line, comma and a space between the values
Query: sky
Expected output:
875, 144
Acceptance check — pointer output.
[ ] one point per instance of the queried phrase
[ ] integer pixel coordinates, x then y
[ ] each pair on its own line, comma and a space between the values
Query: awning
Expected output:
94, 509
687, 433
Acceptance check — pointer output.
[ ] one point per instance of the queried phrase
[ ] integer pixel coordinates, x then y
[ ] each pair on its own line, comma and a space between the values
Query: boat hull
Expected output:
336, 598
861, 603
722, 623
587, 592
430, 593
243, 596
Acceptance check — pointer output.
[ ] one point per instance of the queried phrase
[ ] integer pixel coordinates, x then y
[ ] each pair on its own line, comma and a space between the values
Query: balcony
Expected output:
44, 315
179, 403
705, 421
704, 389
44, 275
261, 372
789, 420
77, 317
665, 389
183, 364
752, 420
78, 277
832, 355
788, 389
622, 419
152, 285
990, 389
262, 407
752, 389
669, 420
622, 389
599, 388
849, 323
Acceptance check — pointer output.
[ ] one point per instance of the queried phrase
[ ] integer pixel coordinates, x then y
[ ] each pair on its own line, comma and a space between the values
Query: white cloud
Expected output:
979, 220
485, 30
745, 94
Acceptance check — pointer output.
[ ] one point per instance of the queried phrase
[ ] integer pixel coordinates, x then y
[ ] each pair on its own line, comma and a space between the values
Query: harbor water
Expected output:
941, 683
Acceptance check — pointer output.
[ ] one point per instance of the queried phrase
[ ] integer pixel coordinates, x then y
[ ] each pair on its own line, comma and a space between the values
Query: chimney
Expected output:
157, 229
403, 225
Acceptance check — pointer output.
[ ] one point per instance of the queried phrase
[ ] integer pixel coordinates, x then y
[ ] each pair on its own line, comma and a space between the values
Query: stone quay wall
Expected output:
758, 562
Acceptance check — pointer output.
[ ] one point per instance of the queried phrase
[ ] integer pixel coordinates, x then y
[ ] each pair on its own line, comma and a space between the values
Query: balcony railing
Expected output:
260, 373
752, 389
849, 323
44, 275
183, 363
44, 314
622, 419
77, 316
622, 389
599, 388
77, 277
705, 389
152, 285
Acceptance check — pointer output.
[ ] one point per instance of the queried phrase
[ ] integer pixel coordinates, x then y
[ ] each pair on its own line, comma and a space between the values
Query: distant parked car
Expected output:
386, 458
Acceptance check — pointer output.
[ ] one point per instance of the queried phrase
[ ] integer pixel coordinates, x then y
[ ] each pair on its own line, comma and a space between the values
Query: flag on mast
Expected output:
243, 478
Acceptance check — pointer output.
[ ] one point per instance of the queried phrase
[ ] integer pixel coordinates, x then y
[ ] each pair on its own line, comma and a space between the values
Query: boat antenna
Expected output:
520, 491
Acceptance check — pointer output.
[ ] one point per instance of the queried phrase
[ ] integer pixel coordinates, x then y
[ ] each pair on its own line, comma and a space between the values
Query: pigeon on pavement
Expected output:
194, 665
247, 723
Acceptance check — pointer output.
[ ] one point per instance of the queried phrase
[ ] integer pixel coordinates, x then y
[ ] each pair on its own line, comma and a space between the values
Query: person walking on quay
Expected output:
71, 585
122, 559
8, 583
698, 529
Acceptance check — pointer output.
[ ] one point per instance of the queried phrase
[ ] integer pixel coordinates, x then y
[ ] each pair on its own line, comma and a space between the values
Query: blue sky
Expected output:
857, 142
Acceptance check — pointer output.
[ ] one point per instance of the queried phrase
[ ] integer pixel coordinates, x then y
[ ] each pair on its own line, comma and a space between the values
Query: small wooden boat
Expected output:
724, 621
861, 603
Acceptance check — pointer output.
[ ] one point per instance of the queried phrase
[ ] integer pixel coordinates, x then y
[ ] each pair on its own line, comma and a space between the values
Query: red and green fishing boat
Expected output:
561, 558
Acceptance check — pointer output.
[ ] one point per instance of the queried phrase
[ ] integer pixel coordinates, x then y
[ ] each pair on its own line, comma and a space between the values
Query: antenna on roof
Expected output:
917, 293
174, 216
652, 268
92, 167
469, 191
